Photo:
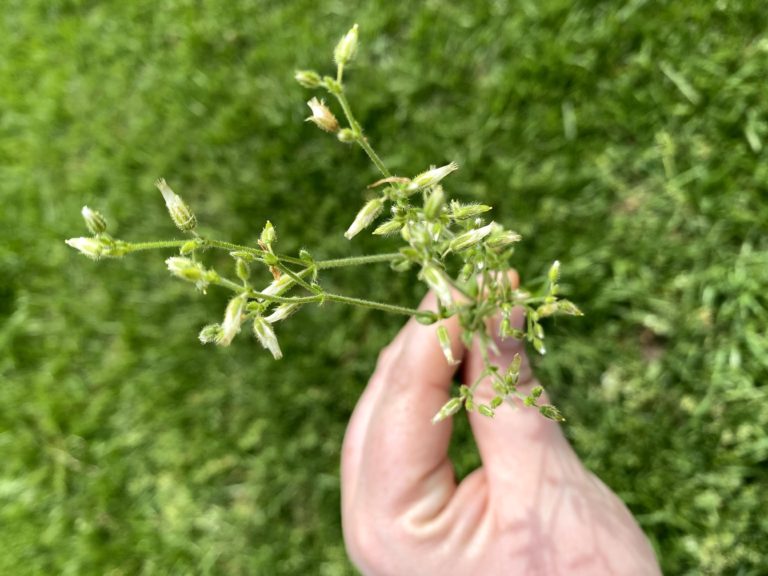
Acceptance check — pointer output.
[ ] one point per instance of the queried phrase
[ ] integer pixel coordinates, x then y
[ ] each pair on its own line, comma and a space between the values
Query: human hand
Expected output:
532, 508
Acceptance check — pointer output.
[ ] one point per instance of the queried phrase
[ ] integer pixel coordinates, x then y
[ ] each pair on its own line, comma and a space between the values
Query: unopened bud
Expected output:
180, 213
389, 227
501, 238
549, 411
568, 307
322, 116
470, 238
485, 410
279, 286
268, 234
242, 269
94, 220
266, 336
188, 270
449, 409
91, 247
431, 177
466, 211
554, 272
445, 344
347, 47
436, 280
346, 136
367, 214
434, 203
211, 334
308, 78
233, 319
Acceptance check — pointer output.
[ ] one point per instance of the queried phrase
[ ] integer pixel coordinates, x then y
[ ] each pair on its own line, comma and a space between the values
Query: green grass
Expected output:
627, 139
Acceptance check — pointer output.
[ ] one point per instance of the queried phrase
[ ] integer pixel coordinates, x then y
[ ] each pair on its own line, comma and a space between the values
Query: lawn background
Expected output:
627, 139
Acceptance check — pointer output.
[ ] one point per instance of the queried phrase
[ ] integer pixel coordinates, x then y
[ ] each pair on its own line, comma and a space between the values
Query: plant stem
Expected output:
359, 137
137, 246
356, 260
298, 279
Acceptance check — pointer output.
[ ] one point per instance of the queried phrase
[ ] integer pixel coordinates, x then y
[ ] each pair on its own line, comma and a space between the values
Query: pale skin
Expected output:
532, 508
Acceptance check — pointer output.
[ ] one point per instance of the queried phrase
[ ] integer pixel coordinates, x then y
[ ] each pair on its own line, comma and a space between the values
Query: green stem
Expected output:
298, 279
359, 137
356, 260
137, 246
319, 298
256, 251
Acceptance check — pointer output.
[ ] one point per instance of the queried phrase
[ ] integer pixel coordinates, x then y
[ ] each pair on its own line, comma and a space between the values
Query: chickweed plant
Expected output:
460, 255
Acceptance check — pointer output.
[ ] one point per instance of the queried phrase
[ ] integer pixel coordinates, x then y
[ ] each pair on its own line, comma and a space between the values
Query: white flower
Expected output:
322, 116
432, 177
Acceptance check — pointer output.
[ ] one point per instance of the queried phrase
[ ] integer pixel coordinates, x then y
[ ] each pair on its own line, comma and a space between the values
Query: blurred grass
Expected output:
626, 139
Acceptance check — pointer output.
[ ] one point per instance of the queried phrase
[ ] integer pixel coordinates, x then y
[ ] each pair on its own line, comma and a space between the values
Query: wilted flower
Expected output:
282, 312
437, 281
367, 214
180, 213
322, 116
266, 335
233, 320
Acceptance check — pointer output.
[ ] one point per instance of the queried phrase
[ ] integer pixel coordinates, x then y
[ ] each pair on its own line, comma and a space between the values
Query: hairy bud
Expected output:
431, 177
347, 47
367, 214
180, 213
94, 220
308, 78
266, 336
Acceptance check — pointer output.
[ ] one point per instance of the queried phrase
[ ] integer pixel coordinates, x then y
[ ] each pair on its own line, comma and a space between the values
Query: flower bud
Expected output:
367, 214
242, 269
94, 220
549, 411
180, 213
346, 136
308, 78
279, 286
449, 409
322, 116
470, 238
91, 247
431, 177
347, 47
501, 238
554, 272
233, 319
268, 234
188, 270
282, 312
465, 211
485, 410
445, 344
436, 280
434, 203
211, 334
568, 307
389, 227
266, 336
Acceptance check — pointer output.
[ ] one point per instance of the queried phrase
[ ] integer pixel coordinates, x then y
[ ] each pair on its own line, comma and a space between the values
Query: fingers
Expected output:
394, 458
510, 443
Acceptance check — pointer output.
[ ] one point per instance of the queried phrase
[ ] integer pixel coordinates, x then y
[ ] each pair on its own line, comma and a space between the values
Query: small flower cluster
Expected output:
459, 254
